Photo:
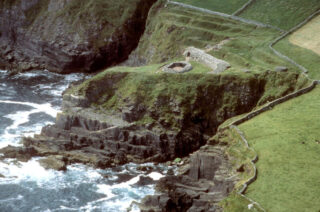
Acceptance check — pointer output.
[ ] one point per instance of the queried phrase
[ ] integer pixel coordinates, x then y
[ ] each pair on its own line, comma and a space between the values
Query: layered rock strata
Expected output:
104, 123
203, 182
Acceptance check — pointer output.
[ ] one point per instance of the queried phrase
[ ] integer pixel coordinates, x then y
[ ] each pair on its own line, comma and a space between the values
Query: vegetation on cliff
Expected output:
171, 98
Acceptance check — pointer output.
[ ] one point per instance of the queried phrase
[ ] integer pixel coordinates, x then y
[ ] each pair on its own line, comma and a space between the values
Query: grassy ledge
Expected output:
174, 97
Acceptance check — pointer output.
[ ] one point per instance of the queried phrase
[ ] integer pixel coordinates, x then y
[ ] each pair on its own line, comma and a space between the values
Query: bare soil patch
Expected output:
308, 36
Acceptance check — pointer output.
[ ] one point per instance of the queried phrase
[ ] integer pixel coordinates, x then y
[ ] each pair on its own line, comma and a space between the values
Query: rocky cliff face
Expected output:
117, 117
69, 35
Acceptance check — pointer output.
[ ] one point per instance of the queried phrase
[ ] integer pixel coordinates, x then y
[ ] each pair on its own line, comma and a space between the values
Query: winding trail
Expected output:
270, 105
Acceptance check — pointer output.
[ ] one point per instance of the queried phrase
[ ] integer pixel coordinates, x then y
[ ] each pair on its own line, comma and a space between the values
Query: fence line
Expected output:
247, 21
302, 68
243, 8
255, 171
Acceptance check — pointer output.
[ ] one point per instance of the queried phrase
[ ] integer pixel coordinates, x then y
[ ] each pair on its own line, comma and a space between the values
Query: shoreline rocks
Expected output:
204, 182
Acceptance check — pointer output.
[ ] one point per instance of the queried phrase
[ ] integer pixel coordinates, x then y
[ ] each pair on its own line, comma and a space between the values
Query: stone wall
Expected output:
177, 67
270, 105
200, 56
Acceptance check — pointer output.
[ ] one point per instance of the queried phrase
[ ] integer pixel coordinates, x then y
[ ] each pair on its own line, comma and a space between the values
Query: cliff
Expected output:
137, 114
69, 36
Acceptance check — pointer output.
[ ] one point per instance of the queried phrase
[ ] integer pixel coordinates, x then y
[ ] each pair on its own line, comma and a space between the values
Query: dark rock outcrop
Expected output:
205, 180
69, 36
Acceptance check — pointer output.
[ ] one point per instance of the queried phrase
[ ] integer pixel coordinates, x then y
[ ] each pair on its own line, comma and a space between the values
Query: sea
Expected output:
29, 101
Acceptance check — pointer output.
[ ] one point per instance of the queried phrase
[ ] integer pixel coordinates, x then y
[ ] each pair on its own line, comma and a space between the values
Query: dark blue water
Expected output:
27, 103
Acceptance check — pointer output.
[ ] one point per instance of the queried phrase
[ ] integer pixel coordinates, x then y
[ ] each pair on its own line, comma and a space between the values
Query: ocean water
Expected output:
29, 101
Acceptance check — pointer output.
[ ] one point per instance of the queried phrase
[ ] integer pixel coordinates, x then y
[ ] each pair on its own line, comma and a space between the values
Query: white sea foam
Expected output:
105, 189
52, 89
13, 139
117, 197
15, 131
19, 197
31, 74
155, 175
31, 171
28, 74
63, 208
126, 189
25, 171
58, 91
46, 108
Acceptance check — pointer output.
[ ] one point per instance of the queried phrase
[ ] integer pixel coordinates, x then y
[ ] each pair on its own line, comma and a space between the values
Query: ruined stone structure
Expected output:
177, 67
200, 56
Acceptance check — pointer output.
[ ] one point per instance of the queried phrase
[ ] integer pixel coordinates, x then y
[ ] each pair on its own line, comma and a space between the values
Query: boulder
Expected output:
280, 69
54, 162
143, 181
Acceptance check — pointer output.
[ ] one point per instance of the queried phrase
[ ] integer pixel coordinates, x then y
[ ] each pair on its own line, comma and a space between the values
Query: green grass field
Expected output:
216, 5
287, 140
284, 14
170, 30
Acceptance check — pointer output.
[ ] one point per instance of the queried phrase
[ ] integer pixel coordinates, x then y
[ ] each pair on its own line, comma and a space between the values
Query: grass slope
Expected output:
287, 142
216, 5
284, 14
171, 29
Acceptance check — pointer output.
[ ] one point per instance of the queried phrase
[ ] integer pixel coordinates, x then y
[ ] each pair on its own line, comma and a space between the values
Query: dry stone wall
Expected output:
200, 56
